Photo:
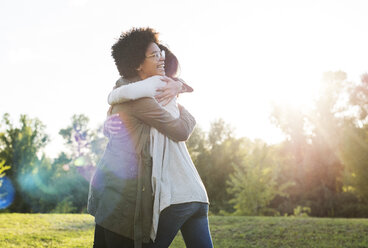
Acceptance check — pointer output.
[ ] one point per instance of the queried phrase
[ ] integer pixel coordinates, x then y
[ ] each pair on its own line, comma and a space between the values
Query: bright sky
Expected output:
238, 55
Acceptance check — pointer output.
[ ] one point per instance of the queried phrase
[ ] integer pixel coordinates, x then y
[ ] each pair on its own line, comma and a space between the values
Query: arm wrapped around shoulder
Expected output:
151, 113
133, 91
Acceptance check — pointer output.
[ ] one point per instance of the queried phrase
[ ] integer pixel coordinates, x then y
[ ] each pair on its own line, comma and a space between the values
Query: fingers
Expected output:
161, 89
112, 117
113, 124
165, 98
168, 92
113, 130
158, 97
165, 79
162, 96
166, 101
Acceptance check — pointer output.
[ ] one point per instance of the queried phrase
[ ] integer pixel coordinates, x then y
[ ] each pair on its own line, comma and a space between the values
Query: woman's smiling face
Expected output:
153, 64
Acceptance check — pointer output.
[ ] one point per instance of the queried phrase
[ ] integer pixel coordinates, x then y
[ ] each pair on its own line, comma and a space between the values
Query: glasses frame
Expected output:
157, 55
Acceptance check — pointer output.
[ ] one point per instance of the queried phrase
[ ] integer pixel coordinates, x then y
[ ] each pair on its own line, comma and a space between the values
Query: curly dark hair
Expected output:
130, 50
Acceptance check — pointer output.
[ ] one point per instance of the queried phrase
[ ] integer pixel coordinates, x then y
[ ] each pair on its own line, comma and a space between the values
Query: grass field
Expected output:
76, 230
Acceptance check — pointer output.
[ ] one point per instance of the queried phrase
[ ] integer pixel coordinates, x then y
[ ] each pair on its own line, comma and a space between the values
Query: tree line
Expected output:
320, 169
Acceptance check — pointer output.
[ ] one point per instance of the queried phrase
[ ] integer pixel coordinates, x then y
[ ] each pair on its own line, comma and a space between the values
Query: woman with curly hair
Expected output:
146, 186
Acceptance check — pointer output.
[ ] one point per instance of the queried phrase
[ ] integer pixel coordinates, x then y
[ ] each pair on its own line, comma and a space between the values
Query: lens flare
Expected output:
81, 161
114, 179
7, 192
66, 167
34, 181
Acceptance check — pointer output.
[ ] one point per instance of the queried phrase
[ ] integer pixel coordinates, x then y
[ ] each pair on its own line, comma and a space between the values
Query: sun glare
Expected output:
299, 93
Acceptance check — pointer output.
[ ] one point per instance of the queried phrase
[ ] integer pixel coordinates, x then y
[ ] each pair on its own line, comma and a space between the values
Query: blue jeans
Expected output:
191, 219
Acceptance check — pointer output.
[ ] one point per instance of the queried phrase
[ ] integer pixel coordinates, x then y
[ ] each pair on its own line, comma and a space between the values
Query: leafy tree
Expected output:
85, 146
354, 147
3, 168
312, 148
6, 189
358, 98
215, 155
254, 183
40, 184
19, 149
76, 166
197, 144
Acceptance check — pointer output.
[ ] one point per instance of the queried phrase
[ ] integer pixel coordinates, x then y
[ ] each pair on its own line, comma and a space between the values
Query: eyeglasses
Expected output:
157, 55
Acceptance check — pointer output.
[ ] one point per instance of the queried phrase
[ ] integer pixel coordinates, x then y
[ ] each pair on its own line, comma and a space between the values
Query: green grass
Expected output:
76, 230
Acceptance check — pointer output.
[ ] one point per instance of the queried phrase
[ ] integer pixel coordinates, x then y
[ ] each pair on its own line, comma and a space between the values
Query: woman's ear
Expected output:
139, 68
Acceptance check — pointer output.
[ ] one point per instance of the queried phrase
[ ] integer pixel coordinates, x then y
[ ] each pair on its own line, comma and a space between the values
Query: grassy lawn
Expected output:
76, 230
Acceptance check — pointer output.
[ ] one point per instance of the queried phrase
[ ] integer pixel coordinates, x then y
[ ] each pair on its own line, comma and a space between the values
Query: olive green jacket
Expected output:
120, 194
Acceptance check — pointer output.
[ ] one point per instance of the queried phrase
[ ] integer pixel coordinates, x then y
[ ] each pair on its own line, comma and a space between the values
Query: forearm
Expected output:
177, 129
133, 91
188, 120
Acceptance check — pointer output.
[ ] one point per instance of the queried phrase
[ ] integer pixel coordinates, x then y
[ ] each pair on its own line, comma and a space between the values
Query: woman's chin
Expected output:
161, 72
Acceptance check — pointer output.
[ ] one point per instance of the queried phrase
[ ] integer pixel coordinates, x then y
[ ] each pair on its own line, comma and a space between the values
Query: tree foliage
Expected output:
354, 145
215, 155
319, 150
43, 185
19, 149
3, 168
77, 164
254, 182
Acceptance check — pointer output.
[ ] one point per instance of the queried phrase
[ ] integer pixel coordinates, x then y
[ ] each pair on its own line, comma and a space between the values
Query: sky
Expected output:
239, 56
